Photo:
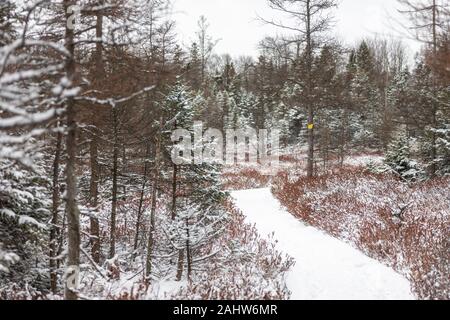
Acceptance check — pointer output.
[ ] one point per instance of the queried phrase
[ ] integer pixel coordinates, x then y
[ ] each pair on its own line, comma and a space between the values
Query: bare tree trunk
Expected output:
141, 199
188, 251
343, 138
180, 264
112, 250
174, 191
61, 238
174, 212
55, 219
310, 163
434, 24
73, 223
93, 195
95, 174
433, 155
124, 173
73, 219
151, 234
434, 107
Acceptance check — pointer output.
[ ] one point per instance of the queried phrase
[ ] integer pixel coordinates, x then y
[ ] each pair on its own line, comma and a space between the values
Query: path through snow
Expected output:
326, 268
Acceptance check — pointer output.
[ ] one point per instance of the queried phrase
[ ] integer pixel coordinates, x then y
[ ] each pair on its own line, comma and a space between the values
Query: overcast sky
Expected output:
235, 23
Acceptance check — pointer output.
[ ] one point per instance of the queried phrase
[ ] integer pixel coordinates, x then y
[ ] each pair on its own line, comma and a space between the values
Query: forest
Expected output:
92, 205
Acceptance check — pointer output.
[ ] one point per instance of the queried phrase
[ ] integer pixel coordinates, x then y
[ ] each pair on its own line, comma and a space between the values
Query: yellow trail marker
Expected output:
310, 126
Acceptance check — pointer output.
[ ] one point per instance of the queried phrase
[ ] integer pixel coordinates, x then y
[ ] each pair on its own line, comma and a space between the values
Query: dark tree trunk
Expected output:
54, 233
141, 199
174, 191
73, 222
180, 264
174, 213
310, 161
95, 172
188, 251
93, 195
156, 175
343, 138
433, 168
112, 236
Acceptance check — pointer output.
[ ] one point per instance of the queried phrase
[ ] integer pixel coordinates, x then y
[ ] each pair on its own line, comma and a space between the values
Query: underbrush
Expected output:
250, 268
244, 178
404, 226
239, 264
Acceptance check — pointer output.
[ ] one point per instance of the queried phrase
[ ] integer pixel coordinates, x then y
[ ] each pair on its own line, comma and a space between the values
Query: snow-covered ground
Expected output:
325, 268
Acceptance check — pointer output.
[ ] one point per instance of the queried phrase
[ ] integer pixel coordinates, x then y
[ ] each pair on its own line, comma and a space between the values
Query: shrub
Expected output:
404, 226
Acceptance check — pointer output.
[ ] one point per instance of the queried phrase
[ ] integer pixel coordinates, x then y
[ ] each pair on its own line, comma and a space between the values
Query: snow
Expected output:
8, 212
29, 119
326, 268
165, 289
32, 221
364, 160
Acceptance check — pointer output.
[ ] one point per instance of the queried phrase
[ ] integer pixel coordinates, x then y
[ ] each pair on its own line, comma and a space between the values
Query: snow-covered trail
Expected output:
326, 268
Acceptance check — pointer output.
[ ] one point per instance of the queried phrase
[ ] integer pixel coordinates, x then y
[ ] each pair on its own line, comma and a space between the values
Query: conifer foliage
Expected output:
98, 199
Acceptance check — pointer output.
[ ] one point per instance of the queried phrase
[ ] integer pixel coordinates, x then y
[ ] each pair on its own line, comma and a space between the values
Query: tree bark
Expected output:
95, 172
151, 234
93, 195
180, 264
112, 236
174, 213
343, 138
73, 223
174, 191
433, 168
188, 251
310, 161
55, 219
141, 199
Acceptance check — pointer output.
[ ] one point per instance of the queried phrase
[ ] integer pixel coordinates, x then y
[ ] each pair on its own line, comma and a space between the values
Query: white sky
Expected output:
235, 23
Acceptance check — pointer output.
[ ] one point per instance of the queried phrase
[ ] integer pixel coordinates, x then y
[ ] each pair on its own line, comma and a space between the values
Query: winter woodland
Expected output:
92, 205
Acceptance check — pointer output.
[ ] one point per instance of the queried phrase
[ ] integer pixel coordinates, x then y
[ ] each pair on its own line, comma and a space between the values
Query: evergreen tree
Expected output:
429, 115
198, 213
194, 67
8, 18
399, 97
24, 216
365, 96
32, 89
443, 148
398, 158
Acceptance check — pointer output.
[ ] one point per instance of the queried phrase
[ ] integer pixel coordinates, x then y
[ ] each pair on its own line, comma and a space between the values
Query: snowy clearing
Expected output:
325, 268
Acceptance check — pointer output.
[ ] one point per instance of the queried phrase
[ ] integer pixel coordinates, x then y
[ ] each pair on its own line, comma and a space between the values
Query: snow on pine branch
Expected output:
6, 260
32, 89
29, 119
